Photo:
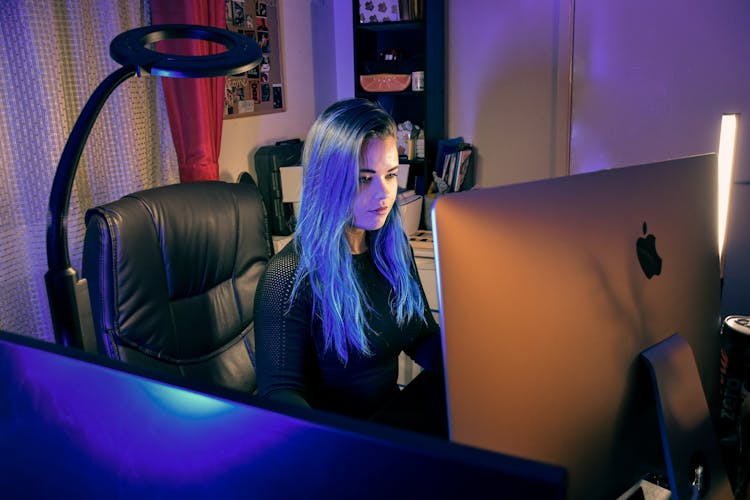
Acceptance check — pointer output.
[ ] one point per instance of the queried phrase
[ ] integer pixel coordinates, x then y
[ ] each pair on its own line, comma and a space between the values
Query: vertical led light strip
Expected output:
727, 141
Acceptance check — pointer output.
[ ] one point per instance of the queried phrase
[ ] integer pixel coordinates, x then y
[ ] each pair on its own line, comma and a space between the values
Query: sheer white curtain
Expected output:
53, 55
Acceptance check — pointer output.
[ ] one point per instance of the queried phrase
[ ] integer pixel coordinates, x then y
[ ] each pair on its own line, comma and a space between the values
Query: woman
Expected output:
337, 305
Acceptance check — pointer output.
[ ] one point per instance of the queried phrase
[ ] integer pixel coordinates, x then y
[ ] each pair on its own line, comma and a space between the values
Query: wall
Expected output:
650, 82
333, 46
650, 87
241, 137
508, 86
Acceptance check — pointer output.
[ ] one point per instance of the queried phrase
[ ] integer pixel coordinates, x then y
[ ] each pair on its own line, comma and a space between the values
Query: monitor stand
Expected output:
692, 456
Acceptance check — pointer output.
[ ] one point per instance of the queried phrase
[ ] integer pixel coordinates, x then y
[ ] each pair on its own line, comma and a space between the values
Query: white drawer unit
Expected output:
424, 257
428, 277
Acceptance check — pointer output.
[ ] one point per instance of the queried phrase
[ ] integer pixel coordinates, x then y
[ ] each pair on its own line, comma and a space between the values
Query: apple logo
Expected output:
648, 257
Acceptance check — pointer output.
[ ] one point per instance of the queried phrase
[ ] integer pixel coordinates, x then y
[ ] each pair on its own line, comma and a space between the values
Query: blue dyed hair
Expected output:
332, 157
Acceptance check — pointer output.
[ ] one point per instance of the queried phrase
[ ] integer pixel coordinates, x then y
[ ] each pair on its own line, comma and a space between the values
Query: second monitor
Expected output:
550, 290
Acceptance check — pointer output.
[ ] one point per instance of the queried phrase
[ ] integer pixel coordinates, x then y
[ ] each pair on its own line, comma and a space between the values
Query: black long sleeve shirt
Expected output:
292, 365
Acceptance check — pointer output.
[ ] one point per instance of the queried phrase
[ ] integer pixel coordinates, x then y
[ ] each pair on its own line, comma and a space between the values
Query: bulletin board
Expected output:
260, 90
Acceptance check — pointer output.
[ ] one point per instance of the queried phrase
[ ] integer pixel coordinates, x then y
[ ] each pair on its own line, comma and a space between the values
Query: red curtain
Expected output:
195, 105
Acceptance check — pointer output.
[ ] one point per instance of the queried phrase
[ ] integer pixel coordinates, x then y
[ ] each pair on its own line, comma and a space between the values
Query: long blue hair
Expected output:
332, 157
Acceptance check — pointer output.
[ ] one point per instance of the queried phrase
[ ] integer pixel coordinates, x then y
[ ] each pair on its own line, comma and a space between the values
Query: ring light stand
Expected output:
67, 295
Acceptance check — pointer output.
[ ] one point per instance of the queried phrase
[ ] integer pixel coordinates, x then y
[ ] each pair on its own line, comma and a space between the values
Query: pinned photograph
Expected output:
245, 106
255, 90
264, 41
278, 100
236, 91
261, 23
238, 13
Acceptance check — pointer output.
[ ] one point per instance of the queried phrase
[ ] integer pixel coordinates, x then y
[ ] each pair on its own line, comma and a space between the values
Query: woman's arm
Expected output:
427, 350
281, 335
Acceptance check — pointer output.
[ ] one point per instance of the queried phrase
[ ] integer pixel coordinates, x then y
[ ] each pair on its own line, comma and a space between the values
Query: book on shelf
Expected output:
454, 164
464, 161
445, 147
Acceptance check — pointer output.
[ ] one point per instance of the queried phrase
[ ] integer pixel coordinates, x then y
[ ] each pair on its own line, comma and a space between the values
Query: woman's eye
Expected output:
391, 175
364, 179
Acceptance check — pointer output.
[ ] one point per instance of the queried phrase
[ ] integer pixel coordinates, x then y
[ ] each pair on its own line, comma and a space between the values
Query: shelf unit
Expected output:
419, 45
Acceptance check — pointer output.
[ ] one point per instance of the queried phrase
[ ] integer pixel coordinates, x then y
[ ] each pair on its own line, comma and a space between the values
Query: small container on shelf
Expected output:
420, 145
417, 81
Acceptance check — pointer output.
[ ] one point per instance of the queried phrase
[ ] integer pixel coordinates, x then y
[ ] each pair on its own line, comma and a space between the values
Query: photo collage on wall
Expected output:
261, 89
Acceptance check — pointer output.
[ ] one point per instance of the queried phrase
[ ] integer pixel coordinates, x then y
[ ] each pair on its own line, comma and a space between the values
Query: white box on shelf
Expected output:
410, 207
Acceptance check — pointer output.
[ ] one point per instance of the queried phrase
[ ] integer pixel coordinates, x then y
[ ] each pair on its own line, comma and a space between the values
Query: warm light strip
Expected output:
727, 141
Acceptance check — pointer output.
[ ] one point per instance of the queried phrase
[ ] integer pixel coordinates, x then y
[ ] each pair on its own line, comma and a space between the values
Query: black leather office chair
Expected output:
172, 273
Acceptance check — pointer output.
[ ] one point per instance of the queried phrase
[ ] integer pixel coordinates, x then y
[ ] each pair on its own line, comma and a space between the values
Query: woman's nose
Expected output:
380, 188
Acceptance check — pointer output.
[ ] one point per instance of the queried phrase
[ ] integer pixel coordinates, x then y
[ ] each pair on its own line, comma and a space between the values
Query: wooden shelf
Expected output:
391, 26
403, 93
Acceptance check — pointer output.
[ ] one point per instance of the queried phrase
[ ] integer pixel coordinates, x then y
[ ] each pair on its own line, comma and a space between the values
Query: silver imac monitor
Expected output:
550, 290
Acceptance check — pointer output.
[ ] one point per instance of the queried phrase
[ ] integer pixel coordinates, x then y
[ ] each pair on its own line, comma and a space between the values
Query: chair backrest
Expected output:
172, 273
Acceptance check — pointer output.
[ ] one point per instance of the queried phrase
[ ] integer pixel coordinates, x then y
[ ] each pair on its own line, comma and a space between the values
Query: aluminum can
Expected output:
734, 372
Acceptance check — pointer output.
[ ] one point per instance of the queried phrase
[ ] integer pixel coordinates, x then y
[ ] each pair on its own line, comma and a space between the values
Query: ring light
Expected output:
129, 49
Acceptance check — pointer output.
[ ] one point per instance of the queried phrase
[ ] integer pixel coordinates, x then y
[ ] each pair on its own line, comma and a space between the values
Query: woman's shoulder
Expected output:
276, 284
285, 262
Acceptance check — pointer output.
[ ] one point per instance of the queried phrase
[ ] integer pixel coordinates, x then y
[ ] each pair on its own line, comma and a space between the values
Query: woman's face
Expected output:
378, 183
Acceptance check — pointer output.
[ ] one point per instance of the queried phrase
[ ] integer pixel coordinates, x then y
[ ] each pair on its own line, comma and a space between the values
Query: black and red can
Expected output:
734, 371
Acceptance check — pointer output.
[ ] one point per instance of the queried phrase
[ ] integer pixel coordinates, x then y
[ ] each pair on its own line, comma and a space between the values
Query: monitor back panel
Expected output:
545, 309
74, 425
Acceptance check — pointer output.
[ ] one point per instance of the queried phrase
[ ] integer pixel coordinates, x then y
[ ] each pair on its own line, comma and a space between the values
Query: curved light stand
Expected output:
68, 296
